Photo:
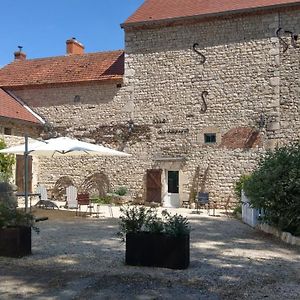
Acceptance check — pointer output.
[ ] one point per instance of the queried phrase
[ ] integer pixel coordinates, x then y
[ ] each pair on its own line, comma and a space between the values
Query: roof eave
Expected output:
22, 121
118, 79
150, 23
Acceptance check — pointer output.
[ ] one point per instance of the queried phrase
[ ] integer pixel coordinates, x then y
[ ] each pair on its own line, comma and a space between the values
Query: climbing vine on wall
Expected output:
117, 135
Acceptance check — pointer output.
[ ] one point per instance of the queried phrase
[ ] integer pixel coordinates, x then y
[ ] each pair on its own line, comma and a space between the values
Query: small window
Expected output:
210, 138
7, 131
77, 99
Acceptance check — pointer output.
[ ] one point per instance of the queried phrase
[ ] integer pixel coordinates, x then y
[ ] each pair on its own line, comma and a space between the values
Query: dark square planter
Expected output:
15, 241
157, 250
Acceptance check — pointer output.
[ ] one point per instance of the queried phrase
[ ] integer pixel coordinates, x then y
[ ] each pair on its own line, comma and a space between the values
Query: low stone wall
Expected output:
284, 236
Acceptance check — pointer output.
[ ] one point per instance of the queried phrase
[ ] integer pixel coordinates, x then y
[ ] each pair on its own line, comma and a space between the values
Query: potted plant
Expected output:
154, 241
15, 225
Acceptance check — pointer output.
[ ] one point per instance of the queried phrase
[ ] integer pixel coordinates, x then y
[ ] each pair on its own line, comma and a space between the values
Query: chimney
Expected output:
74, 47
19, 54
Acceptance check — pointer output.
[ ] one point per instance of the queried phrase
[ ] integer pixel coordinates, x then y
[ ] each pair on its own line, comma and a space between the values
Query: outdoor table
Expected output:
30, 195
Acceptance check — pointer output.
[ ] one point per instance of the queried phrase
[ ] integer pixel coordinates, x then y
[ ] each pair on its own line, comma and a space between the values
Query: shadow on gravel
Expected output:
83, 259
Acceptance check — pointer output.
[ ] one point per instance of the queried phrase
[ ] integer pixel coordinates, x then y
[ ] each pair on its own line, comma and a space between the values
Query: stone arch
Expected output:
59, 190
96, 184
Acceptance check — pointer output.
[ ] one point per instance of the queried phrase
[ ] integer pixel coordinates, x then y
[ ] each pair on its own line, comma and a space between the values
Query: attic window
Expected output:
210, 138
7, 131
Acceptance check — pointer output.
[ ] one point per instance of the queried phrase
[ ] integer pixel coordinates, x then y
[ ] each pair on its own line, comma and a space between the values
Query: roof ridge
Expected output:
64, 69
64, 56
154, 11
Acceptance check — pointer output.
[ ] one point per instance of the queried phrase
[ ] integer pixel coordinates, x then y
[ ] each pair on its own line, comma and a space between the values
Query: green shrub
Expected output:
175, 225
239, 186
137, 219
275, 187
10, 217
238, 209
102, 200
153, 223
132, 219
121, 191
6, 163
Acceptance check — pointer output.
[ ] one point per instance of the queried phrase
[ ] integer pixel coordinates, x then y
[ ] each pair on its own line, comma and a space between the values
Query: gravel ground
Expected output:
81, 258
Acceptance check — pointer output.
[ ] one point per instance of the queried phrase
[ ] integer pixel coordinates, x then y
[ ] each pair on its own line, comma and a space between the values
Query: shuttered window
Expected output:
153, 185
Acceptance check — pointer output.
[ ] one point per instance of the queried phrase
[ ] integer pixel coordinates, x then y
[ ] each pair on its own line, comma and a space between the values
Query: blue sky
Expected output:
42, 27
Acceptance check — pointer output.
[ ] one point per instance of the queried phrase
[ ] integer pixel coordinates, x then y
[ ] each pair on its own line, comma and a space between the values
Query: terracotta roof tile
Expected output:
11, 108
154, 10
64, 69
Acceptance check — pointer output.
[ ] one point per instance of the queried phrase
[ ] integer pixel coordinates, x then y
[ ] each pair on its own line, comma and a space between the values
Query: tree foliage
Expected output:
275, 187
6, 163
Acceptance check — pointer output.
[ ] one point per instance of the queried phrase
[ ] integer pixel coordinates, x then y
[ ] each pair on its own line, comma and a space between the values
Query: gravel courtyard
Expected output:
82, 258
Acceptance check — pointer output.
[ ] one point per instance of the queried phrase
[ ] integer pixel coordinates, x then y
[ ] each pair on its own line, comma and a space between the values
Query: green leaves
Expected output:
121, 191
13, 217
136, 219
6, 163
176, 225
275, 187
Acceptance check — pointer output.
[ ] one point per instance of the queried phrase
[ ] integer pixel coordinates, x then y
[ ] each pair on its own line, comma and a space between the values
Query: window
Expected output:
210, 138
7, 131
77, 99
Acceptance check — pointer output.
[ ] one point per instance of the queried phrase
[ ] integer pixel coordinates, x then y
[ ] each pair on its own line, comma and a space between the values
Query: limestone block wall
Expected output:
68, 105
18, 128
242, 78
246, 79
289, 70
101, 116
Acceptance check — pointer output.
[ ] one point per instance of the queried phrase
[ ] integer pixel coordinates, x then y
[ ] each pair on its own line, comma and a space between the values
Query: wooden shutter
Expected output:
20, 180
153, 185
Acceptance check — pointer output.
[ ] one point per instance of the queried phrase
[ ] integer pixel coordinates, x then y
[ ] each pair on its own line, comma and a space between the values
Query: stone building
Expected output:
208, 86
16, 119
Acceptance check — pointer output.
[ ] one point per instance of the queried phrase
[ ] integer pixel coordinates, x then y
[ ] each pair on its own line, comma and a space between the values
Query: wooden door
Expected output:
20, 180
153, 185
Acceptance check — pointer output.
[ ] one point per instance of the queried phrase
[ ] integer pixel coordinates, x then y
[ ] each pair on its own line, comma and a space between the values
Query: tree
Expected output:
275, 187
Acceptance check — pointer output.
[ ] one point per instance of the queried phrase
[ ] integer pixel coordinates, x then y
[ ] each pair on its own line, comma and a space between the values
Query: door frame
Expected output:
166, 200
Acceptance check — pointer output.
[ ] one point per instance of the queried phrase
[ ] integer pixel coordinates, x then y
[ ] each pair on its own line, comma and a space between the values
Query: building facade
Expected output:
205, 92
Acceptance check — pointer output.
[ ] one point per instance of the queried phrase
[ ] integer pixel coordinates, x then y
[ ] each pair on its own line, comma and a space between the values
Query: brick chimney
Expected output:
74, 47
19, 54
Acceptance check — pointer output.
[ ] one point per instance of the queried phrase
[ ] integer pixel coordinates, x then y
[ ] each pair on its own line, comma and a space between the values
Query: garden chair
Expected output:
71, 192
202, 200
43, 201
83, 199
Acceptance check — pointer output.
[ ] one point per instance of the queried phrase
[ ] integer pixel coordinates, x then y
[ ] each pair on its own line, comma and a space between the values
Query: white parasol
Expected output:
61, 146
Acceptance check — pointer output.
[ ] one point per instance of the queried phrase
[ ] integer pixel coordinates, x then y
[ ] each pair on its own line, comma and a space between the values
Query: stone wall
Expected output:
18, 127
245, 80
243, 75
289, 70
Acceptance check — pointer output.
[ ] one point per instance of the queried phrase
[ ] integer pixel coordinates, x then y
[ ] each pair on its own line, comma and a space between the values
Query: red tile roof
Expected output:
64, 69
11, 108
154, 10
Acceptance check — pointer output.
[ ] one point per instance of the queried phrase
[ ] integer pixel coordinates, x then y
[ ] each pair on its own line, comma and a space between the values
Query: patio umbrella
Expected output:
61, 146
